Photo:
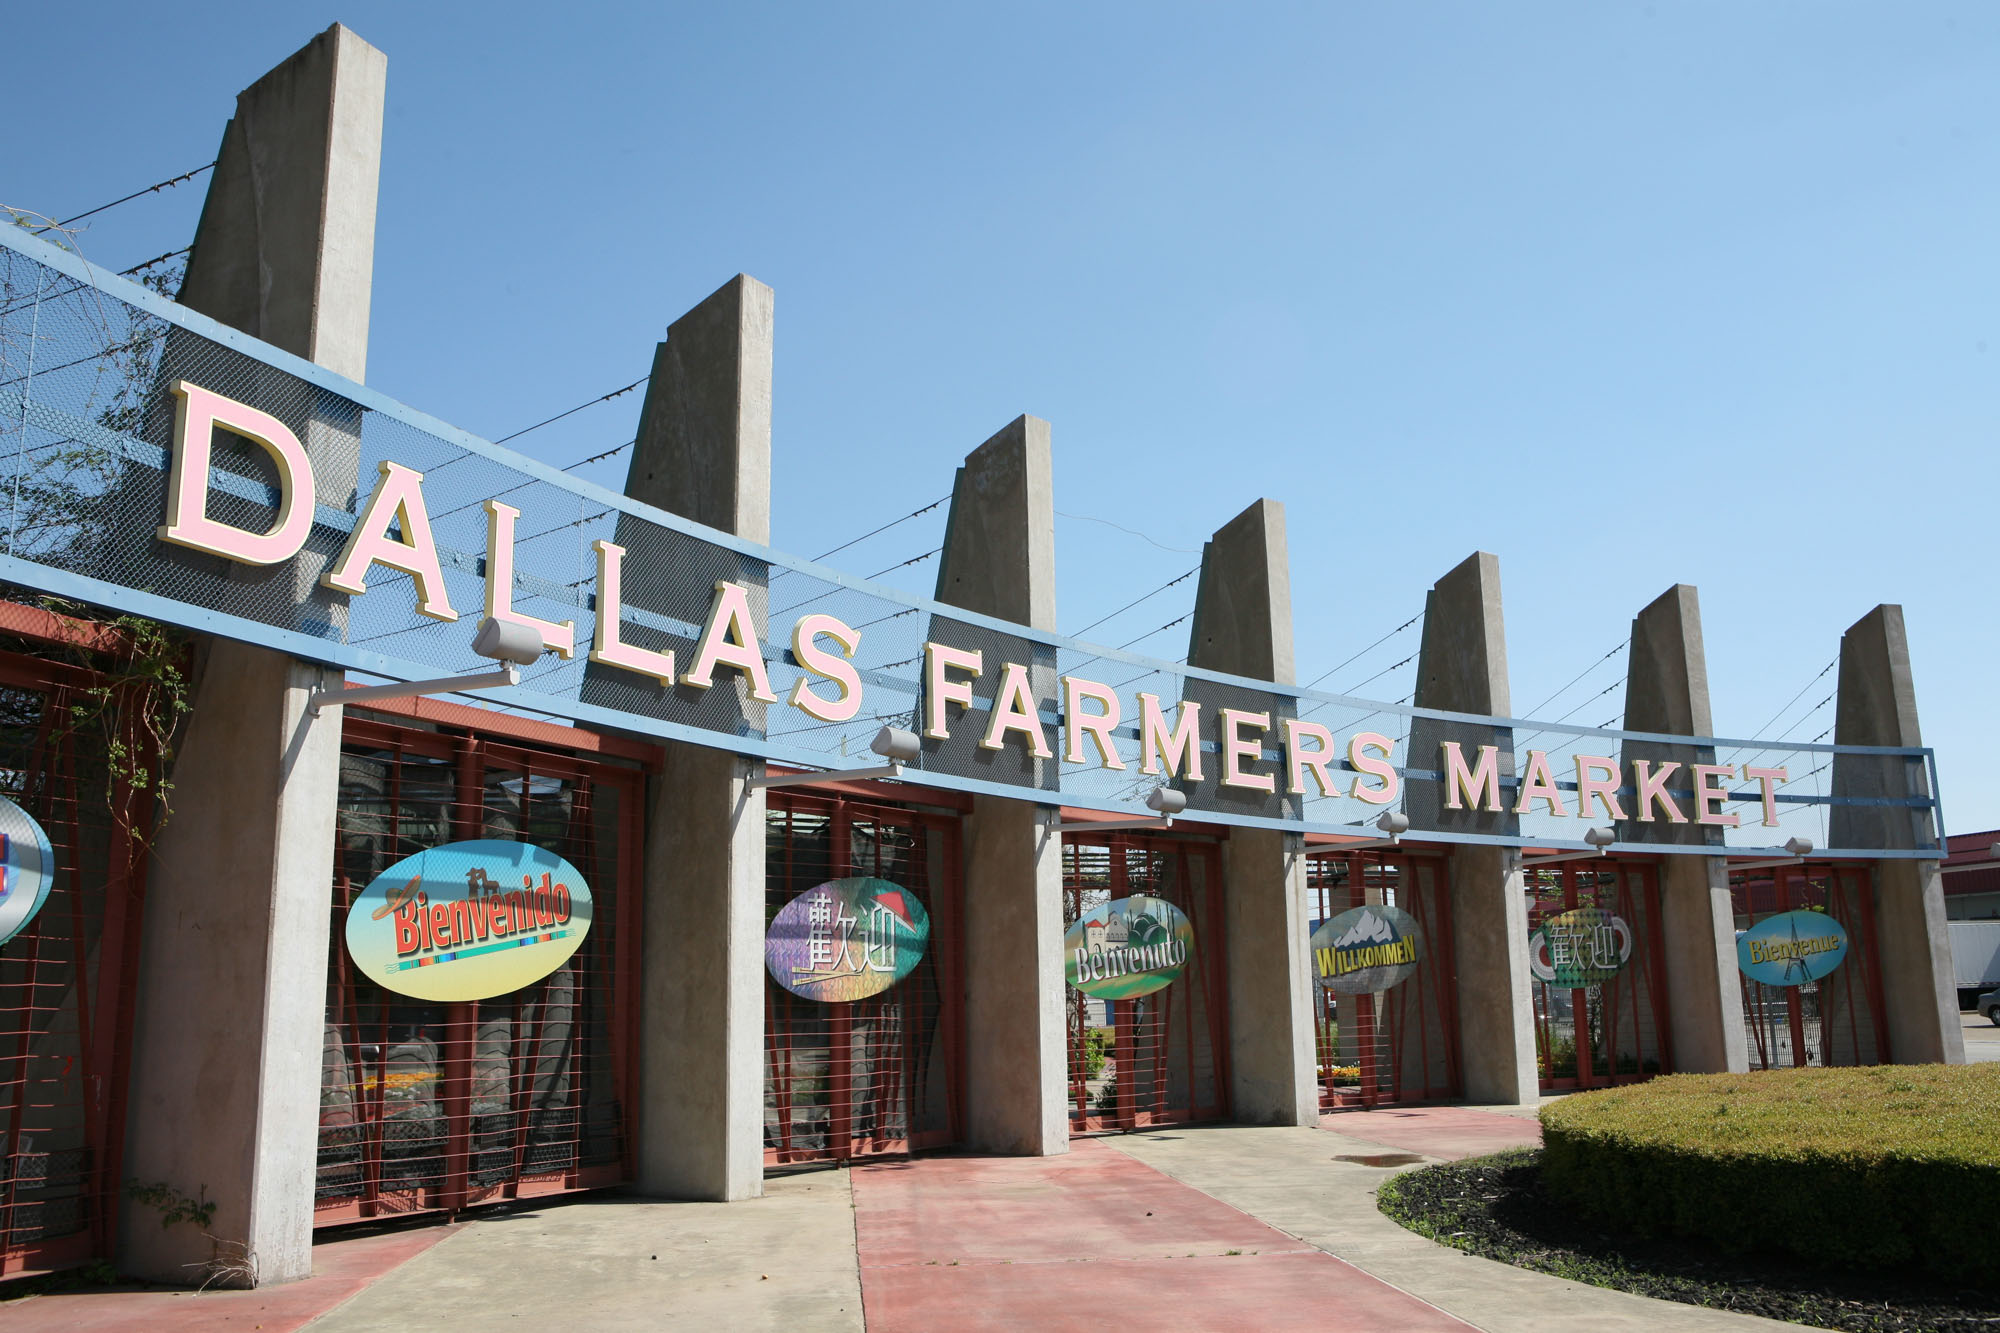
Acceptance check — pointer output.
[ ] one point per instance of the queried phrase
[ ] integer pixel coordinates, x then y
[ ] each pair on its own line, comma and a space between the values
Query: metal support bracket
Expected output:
406, 689
1112, 825
768, 780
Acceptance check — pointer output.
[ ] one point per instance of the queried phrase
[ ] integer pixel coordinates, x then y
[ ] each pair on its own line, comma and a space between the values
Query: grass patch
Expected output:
1496, 1207
1888, 1167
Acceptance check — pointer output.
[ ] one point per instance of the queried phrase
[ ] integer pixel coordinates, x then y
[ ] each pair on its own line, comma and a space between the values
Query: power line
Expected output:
1135, 601
1369, 649
1759, 733
599, 458
1378, 675
913, 560
914, 513
1130, 532
1151, 632
573, 411
1579, 676
150, 189
156, 259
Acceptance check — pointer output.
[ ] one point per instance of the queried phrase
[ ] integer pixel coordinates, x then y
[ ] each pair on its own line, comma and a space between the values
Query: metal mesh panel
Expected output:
1398, 1045
1160, 1058
443, 1106
65, 980
1837, 1019
87, 365
883, 1074
1622, 1036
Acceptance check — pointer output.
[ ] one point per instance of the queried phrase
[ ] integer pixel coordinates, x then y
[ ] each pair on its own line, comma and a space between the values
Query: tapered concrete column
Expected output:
1243, 626
704, 451
1877, 705
999, 560
232, 981
1666, 691
1462, 668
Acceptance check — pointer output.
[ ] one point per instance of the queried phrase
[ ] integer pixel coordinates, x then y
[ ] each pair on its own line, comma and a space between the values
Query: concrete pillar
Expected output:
1243, 626
1666, 691
999, 560
1877, 705
232, 983
704, 452
1462, 668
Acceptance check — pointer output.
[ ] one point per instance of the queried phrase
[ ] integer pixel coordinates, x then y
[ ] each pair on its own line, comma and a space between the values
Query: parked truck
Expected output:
1975, 958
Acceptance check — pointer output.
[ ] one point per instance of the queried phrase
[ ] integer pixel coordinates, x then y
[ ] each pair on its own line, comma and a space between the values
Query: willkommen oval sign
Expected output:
469, 920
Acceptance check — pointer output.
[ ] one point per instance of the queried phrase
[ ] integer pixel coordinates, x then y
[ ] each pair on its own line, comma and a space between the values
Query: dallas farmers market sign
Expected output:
226, 486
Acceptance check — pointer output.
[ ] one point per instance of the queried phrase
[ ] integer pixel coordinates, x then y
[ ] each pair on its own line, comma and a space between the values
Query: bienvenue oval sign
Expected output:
1366, 949
1791, 948
469, 920
1128, 947
27, 868
846, 939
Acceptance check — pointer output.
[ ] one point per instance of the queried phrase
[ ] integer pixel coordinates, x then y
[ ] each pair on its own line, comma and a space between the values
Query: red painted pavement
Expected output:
340, 1269
1450, 1132
1090, 1239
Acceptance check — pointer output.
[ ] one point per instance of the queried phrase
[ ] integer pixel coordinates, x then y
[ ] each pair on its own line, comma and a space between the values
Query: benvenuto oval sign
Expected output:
1128, 947
469, 920
1791, 948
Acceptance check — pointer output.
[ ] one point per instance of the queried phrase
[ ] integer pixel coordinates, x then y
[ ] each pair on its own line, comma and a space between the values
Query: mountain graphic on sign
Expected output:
1368, 929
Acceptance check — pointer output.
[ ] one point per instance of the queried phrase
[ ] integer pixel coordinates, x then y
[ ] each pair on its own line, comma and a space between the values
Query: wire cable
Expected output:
150, 189
615, 393
1369, 649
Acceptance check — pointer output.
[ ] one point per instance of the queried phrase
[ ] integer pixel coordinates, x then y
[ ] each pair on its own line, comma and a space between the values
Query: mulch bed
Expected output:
1494, 1207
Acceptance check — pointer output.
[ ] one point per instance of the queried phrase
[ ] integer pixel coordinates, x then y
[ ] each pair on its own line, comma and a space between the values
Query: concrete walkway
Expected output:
1213, 1227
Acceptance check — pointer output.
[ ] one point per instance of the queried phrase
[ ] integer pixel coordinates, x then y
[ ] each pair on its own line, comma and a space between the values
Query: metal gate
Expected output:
1400, 1045
1600, 983
882, 1074
446, 1106
1161, 1058
66, 979
1837, 1019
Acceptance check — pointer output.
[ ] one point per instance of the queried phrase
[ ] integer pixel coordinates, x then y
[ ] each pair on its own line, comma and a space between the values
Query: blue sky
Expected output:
1628, 294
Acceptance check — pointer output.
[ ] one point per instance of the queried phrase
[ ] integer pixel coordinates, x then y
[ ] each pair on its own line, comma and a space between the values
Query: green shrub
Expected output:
1880, 1167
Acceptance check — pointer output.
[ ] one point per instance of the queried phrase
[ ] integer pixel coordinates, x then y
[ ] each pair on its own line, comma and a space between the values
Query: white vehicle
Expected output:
1975, 958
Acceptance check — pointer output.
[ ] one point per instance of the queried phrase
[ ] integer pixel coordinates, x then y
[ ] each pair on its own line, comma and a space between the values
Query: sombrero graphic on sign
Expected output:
1128, 947
27, 868
469, 920
846, 939
1366, 949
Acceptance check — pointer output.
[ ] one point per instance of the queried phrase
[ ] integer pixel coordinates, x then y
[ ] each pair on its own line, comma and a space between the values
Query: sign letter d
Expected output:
197, 412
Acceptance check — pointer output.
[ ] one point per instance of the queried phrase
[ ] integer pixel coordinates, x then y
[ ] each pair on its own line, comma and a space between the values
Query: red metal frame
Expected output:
1406, 1045
63, 1076
534, 1091
1629, 1013
1821, 1022
1169, 1063
883, 1075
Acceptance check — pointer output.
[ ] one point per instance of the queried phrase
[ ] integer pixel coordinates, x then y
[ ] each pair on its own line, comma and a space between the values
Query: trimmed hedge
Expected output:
1892, 1166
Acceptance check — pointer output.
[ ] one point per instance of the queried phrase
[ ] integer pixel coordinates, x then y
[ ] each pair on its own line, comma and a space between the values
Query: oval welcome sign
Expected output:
1366, 949
1128, 947
846, 940
1581, 947
27, 868
1791, 948
469, 920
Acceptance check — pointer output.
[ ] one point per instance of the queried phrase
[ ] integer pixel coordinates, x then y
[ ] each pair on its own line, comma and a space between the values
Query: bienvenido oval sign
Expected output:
1791, 948
1366, 949
469, 920
1128, 947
